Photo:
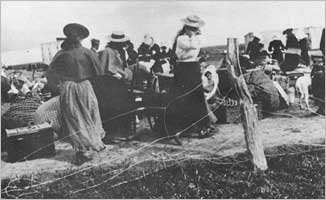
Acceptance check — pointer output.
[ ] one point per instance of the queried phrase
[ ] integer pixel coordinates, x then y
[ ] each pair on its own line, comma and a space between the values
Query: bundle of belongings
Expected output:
263, 89
19, 136
23, 103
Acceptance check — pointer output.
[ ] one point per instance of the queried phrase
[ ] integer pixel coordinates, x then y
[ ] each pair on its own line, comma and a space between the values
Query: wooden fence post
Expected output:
248, 110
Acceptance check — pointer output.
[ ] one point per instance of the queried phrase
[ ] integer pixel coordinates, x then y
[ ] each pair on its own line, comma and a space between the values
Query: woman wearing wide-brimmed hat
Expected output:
113, 58
188, 107
69, 71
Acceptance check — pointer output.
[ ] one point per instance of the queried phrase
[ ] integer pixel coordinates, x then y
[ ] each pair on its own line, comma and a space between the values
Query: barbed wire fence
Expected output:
10, 189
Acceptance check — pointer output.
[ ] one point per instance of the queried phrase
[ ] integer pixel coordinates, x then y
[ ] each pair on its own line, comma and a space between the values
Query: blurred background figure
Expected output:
304, 43
276, 47
95, 45
132, 54
145, 54
253, 48
293, 52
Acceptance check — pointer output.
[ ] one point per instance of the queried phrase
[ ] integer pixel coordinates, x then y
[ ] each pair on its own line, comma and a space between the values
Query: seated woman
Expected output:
210, 82
145, 54
113, 58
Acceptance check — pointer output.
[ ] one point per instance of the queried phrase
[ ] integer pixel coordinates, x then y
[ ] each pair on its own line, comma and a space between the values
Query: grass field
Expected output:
294, 172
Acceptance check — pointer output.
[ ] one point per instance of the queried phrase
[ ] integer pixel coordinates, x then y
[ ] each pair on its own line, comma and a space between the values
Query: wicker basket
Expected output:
226, 114
21, 113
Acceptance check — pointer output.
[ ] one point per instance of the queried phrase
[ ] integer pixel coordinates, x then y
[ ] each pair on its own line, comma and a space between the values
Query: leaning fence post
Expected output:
247, 108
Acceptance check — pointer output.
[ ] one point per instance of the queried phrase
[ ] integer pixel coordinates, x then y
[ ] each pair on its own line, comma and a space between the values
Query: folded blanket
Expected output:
50, 112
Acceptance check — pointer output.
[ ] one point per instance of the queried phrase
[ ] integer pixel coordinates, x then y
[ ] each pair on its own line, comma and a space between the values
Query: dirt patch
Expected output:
163, 161
227, 141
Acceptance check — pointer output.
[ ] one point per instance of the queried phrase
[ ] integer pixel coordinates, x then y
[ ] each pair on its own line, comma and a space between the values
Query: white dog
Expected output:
302, 86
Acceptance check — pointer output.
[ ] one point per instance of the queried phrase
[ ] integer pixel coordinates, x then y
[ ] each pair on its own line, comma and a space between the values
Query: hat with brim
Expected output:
256, 38
118, 36
287, 31
75, 29
193, 21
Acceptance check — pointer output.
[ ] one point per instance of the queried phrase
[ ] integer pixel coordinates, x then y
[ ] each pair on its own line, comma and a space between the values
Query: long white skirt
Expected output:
81, 117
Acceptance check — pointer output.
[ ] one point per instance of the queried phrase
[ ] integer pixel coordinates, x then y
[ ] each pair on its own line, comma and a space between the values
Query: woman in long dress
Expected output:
188, 106
69, 70
276, 46
292, 55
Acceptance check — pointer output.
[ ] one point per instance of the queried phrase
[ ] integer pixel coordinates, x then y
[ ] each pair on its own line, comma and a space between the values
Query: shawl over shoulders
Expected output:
76, 64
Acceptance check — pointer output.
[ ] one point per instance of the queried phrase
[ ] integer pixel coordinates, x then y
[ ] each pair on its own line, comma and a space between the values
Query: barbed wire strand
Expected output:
129, 112
155, 141
187, 159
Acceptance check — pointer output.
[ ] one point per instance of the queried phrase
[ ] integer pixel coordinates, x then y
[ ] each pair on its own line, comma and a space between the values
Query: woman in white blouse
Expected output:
188, 107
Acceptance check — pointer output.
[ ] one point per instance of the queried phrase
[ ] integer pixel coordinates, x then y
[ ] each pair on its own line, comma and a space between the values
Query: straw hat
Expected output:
193, 21
75, 29
118, 36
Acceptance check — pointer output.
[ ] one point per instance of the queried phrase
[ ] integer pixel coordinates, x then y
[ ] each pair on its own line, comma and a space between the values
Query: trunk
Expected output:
247, 108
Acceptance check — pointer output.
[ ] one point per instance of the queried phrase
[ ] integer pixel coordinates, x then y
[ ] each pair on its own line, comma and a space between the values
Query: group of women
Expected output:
295, 50
73, 66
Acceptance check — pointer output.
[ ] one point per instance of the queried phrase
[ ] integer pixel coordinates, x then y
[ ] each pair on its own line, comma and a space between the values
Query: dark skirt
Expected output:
291, 62
188, 103
278, 55
305, 57
113, 100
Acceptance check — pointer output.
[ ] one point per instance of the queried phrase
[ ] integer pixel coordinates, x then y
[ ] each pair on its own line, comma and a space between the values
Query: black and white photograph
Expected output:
162, 99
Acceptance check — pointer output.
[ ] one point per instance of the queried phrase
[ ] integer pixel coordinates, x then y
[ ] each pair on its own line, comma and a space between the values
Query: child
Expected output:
209, 85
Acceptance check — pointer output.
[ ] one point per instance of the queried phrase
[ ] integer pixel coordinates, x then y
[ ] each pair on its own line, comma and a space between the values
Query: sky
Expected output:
28, 24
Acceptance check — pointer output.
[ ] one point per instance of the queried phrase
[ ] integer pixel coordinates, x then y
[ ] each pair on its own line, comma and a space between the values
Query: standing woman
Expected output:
70, 69
293, 51
276, 46
188, 105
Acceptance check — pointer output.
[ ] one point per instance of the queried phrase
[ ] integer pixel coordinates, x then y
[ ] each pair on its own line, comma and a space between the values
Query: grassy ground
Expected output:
290, 175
